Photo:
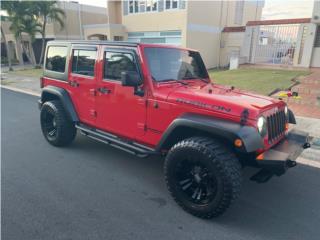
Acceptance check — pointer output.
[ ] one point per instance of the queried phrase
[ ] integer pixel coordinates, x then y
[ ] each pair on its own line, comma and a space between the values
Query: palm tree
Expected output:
23, 21
30, 26
7, 49
45, 10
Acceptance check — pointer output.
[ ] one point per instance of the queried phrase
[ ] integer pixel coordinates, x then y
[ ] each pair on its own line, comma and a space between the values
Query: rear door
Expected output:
119, 110
83, 81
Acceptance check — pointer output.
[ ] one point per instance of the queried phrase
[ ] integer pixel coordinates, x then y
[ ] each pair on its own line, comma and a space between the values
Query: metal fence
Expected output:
276, 44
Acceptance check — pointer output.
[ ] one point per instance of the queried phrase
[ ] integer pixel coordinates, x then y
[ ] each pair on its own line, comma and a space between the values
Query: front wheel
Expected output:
56, 127
203, 176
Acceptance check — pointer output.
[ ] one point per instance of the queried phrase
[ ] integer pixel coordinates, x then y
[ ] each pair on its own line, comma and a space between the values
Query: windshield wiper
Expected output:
202, 79
176, 80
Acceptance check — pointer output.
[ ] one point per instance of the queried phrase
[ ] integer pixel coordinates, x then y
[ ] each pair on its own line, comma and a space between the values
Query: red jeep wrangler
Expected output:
153, 99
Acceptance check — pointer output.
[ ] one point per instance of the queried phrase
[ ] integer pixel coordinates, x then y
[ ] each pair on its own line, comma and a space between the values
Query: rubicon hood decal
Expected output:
204, 105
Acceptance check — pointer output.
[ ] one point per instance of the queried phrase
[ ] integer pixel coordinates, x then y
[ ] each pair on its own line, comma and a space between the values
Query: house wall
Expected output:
315, 61
171, 20
200, 23
203, 32
231, 42
76, 15
304, 48
114, 12
252, 10
110, 30
316, 12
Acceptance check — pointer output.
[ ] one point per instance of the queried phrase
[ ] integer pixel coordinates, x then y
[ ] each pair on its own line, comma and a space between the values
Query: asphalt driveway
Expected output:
92, 191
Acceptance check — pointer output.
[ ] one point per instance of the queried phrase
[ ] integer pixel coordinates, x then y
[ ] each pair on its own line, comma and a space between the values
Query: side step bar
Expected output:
114, 141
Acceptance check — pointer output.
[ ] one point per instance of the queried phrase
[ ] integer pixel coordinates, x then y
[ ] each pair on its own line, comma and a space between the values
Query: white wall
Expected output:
315, 61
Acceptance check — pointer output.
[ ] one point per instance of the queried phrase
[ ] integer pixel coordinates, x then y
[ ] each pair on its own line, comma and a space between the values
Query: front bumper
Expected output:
283, 155
39, 103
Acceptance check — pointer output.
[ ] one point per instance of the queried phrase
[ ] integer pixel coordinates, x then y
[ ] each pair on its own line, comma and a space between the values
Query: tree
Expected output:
7, 49
46, 10
23, 21
30, 26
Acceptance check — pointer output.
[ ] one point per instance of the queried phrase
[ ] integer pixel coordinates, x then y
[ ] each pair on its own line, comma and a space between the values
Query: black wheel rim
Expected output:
196, 182
50, 125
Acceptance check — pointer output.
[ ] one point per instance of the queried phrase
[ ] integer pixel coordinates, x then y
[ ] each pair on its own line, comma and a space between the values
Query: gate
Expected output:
275, 44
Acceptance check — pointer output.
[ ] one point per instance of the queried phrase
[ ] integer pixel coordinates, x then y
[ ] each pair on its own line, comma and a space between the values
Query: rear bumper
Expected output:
283, 155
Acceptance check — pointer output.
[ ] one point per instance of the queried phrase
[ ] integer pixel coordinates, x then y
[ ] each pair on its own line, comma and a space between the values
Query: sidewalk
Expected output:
309, 91
16, 79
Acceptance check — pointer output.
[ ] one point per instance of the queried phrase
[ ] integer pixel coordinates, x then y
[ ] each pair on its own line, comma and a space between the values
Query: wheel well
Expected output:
49, 97
180, 133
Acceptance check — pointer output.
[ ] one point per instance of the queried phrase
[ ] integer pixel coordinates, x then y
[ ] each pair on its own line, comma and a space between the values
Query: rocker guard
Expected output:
283, 155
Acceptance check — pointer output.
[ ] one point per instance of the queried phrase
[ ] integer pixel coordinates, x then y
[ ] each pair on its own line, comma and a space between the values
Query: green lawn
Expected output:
262, 81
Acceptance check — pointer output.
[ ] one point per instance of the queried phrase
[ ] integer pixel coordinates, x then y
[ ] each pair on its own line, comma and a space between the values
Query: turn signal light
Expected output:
41, 82
260, 157
238, 142
287, 126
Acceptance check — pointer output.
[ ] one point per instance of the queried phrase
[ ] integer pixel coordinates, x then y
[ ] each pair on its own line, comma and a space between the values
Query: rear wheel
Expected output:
56, 127
203, 176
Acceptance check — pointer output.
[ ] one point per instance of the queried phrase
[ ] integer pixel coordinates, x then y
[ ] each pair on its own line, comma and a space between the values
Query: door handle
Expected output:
73, 84
104, 90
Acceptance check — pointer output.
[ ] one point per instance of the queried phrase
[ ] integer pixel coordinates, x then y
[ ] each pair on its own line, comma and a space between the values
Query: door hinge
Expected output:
93, 113
142, 126
93, 92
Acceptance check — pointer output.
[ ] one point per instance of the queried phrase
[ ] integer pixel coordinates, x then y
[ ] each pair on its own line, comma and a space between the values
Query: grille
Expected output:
276, 125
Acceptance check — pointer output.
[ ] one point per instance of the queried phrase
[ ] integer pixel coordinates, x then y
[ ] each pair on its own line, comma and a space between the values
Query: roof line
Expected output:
97, 42
279, 21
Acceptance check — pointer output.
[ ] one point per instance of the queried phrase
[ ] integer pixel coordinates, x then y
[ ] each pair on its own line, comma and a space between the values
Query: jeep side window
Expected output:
117, 62
83, 62
56, 58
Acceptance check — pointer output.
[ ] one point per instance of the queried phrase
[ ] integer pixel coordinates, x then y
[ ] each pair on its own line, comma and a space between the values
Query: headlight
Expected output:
286, 110
262, 126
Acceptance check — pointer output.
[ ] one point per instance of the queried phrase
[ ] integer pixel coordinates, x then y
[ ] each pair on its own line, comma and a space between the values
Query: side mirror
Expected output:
130, 79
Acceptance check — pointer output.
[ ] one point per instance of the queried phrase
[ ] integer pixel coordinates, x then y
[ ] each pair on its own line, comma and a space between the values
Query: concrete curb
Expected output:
21, 90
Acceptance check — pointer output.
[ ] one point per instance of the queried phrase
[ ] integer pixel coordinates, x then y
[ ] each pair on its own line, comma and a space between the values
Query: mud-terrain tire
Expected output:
203, 176
56, 127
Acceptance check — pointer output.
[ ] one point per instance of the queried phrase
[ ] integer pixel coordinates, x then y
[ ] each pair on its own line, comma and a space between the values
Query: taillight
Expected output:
41, 82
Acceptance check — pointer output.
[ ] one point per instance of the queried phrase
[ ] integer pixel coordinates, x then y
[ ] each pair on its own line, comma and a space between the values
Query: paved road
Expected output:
92, 191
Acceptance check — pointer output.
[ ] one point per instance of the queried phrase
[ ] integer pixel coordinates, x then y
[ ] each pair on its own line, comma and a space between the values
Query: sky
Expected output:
279, 9
273, 9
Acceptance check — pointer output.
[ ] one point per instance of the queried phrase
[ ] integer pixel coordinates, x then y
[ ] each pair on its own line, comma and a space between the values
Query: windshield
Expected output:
166, 64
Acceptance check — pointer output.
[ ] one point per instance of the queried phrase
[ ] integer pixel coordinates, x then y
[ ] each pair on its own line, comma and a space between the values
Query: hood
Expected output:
222, 99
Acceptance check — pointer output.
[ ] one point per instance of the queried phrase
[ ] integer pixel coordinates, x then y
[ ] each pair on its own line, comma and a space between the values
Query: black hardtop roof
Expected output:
97, 42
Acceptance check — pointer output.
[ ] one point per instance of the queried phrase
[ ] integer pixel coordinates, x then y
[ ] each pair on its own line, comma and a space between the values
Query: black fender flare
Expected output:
63, 96
291, 117
224, 129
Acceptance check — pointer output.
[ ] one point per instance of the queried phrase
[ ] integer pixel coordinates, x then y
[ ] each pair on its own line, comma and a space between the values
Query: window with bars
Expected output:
317, 40
171, 4
136, 6
143, 6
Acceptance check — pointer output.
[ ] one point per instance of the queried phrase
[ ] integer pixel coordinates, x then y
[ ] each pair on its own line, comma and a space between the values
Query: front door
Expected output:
83, 80
119, 110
